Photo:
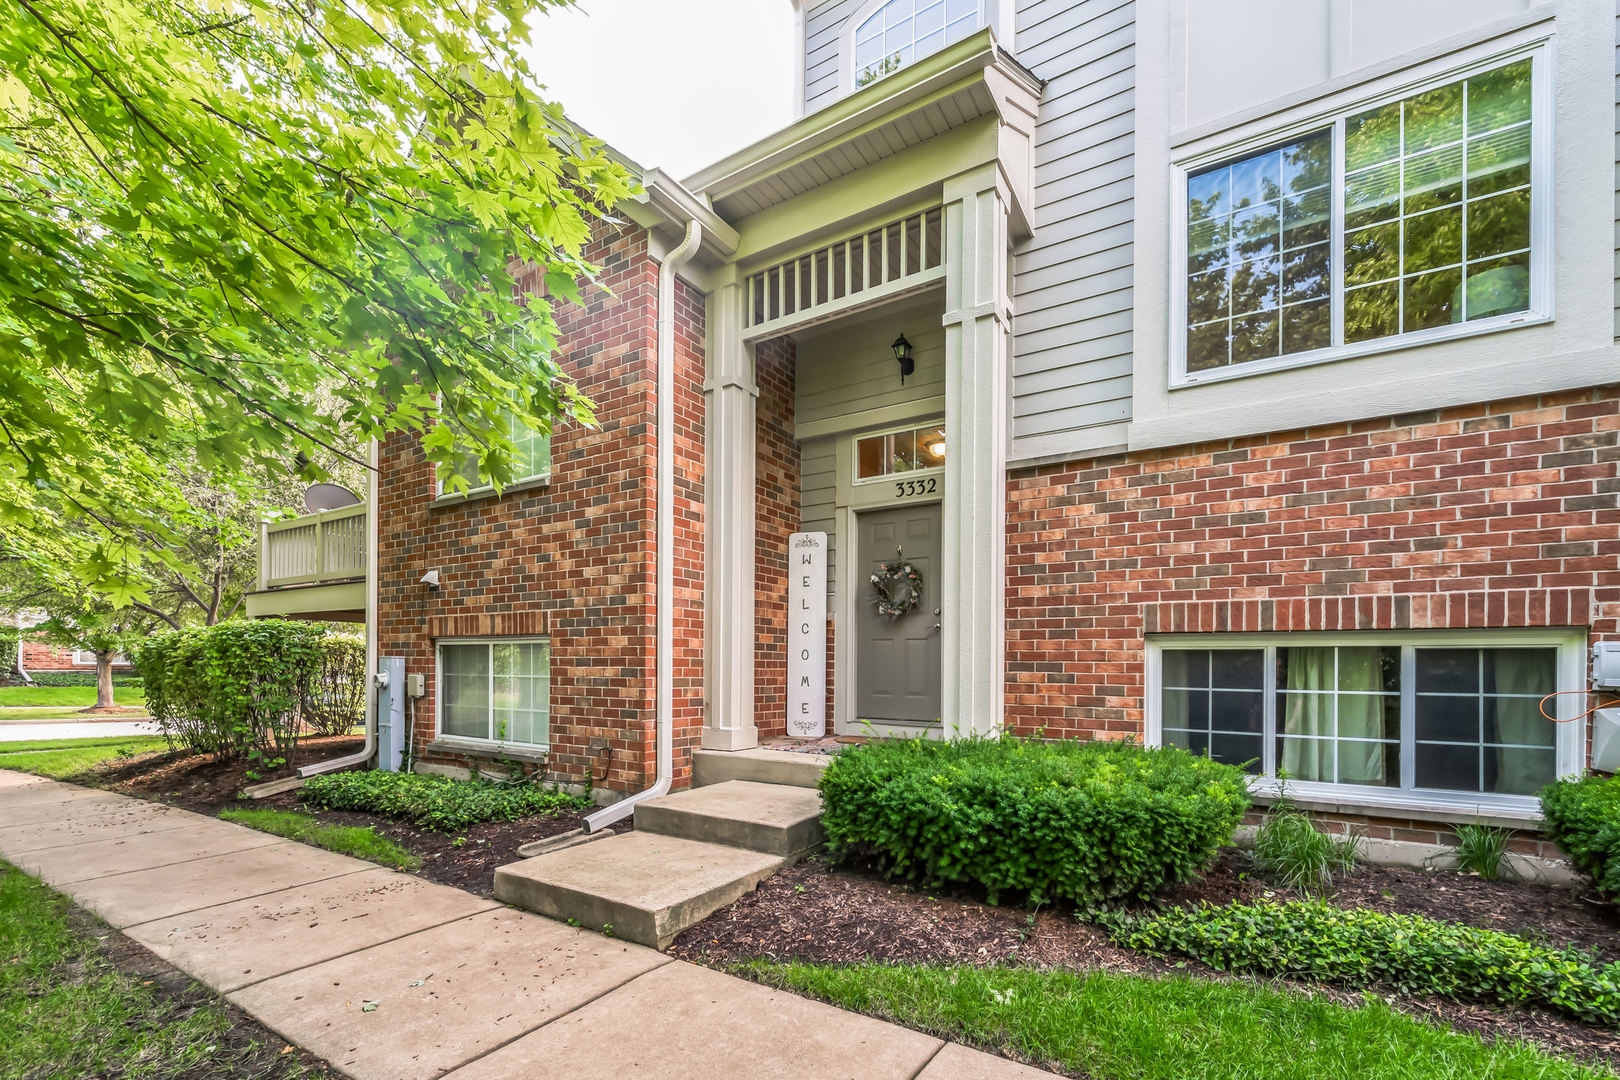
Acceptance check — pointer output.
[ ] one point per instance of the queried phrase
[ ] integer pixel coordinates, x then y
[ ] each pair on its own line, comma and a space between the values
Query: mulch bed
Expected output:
815, 913
465, 860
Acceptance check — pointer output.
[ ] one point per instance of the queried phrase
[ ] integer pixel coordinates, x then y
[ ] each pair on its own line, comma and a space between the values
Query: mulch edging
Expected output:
815, 913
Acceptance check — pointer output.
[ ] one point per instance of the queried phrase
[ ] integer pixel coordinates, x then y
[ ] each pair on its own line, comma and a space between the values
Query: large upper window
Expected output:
1380, 713
531, 459
905, 30
1411, 219
496, 690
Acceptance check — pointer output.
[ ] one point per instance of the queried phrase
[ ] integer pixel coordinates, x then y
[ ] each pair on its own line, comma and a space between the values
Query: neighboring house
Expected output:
36, 654
1263, 402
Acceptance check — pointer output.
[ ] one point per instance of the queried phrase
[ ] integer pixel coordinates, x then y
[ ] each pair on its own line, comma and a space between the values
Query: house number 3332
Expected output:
927, 486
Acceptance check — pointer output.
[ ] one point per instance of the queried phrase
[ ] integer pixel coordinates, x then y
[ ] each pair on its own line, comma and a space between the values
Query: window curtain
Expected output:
1519, 720
1352, 687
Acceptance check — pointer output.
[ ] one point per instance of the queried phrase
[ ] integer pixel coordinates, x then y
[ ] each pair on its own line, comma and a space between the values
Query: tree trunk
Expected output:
104, 686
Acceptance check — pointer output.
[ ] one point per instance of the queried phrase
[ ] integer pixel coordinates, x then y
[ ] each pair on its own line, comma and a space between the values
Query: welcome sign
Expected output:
807, 635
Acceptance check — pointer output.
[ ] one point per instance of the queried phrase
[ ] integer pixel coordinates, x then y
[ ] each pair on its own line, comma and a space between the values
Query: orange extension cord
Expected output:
1542, 705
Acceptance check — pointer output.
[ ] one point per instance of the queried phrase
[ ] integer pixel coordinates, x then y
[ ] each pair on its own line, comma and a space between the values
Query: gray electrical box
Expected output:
416, 684
1606, 665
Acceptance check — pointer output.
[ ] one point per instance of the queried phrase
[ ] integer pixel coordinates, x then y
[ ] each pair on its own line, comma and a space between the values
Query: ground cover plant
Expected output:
1102, 1024
65, 697
1583, 818
1407, 953
435, 802
78, 762
1089, 823
69, 1010
361, 842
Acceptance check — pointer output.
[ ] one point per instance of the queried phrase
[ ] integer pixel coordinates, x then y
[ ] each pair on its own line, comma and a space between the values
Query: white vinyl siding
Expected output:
1072, 334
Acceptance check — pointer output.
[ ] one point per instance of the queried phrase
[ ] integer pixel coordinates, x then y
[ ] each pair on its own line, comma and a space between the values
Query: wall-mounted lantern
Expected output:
902, 353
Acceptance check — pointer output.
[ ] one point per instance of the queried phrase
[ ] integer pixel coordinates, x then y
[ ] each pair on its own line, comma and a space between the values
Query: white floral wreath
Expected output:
886, 596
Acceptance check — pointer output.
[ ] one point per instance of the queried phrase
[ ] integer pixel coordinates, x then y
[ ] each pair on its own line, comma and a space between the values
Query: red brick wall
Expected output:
43, 656
576, 556
1494, 515
776, 517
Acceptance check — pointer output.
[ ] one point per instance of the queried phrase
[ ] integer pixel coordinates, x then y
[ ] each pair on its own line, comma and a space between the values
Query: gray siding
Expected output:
818, 500
850, 370
823, 25
1072, 289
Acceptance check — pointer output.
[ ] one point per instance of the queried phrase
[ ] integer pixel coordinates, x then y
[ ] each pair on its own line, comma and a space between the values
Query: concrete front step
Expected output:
646, 886
759, 765
778, 819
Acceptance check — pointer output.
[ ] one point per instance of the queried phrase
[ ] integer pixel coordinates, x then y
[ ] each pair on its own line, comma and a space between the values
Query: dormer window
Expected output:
900, 31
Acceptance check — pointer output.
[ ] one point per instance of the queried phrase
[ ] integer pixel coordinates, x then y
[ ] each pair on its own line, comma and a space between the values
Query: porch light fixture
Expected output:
902, 353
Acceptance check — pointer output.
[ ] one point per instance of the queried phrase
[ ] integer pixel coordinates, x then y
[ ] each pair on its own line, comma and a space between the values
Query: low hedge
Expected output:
435, 802
1312, 939
1086, 822
1583, 818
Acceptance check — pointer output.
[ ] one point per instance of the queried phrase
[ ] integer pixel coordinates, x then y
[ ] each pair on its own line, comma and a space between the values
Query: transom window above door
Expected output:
1415, 219
904, 451
1453, 719
901, 31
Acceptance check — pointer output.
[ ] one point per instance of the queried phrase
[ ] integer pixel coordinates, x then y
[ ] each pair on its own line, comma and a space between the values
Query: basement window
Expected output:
1451, 719
496, 690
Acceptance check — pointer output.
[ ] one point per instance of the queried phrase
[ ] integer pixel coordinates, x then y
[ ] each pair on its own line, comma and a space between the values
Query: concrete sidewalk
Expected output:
391, 977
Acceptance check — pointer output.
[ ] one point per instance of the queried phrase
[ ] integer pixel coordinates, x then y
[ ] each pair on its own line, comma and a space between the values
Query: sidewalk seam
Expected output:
938, 1050
668, 960
205, 907
142, 869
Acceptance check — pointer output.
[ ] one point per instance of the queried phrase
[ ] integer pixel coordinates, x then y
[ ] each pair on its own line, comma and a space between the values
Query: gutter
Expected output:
369, 750
664, 673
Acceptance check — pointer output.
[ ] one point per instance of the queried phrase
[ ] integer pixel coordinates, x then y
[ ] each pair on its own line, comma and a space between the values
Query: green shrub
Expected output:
1409, 953
1292, 852
335, 702
1583, 817
435, 802
10, 645
1091, 823
231, 689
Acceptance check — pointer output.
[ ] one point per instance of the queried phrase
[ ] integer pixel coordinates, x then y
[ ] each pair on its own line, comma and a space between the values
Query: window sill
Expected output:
478, 494
1504, 811
483, 748
1439, 335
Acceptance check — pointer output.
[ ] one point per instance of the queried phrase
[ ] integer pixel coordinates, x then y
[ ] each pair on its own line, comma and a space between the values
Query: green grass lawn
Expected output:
63, 697
56, 712
34, 745
362, 843
62, 759
67, 1010
1114, 1026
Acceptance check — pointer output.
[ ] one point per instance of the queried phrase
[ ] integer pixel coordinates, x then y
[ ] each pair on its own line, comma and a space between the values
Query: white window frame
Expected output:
1540, 311
471, 741
846, 45
888, 478
1569, 743
480, 490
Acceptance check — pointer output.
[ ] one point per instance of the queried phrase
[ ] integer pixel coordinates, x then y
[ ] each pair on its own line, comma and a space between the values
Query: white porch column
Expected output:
972, 580
728, 572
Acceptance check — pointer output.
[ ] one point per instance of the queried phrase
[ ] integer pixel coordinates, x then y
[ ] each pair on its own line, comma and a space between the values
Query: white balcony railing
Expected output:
313, 549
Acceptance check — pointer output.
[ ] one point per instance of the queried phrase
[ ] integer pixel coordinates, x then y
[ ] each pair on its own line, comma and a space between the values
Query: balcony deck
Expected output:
313, 567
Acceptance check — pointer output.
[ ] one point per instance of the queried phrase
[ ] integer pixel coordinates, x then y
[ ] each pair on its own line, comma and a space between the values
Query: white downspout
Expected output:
664, 629
365, 753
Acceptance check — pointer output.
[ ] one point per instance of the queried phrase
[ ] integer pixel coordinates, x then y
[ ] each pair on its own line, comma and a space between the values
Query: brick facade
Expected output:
573, 558
776, 517
44, 656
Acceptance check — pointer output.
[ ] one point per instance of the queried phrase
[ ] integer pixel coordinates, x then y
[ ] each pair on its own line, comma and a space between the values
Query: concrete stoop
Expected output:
760, 765
691, 854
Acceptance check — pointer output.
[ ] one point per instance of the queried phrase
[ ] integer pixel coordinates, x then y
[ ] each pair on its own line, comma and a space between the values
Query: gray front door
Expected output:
897, 659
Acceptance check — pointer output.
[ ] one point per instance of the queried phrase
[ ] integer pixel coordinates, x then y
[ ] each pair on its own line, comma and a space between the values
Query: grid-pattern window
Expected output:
1213, 703
1259, 234
1377, 713
496, 690
899, 452
531, 458
905, 30
1407, 218
1437, 207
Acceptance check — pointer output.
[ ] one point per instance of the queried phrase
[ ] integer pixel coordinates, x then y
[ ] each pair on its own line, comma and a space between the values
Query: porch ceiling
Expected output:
919, 103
